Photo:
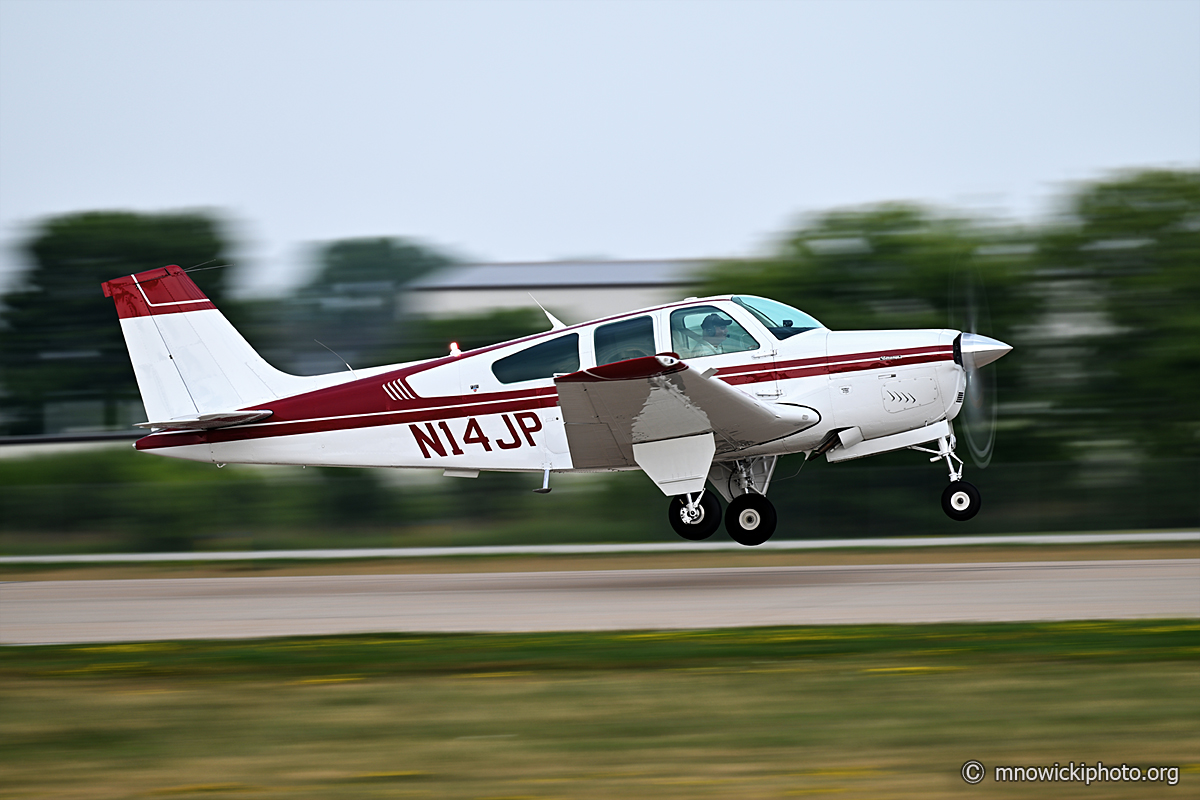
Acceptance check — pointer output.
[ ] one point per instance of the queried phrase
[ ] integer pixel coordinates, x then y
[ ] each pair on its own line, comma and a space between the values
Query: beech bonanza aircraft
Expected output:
705, 391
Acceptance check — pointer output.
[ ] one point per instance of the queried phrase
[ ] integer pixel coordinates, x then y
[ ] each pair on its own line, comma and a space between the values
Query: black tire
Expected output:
702, 528
750, 519
960, 501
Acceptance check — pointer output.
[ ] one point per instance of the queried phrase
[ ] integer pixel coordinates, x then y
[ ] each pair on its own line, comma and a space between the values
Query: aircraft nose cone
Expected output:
982, 350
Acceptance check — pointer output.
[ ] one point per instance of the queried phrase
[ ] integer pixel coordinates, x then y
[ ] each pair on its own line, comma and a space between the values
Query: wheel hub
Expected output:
960, 501
695, 520
749, 519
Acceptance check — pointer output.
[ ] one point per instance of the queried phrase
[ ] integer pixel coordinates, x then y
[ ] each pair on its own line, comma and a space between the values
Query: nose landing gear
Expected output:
960, 500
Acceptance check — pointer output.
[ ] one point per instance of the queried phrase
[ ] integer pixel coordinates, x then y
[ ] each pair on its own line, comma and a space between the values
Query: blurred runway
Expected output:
42, 612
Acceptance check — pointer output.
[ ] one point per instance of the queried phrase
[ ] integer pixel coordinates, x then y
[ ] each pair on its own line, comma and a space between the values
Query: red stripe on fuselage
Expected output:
363, 403
829, 365
428, 411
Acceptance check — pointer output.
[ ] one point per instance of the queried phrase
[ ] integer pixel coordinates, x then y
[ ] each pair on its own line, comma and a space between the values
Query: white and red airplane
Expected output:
705, 391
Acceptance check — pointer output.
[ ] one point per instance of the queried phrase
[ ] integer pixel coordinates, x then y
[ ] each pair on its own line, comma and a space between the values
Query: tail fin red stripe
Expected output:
167, 290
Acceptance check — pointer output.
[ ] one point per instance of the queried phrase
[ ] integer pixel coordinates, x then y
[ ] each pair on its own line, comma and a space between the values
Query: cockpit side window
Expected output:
544, 360
700, 331
781, 320
629, 338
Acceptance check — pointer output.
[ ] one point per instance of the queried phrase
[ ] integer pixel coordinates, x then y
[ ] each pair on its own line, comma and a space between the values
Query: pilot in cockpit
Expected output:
716, 332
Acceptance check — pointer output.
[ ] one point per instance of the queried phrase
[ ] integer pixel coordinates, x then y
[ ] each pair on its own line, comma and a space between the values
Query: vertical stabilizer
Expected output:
187, 358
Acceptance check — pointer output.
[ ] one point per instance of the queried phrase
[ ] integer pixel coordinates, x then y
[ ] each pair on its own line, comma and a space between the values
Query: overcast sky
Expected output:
544, 130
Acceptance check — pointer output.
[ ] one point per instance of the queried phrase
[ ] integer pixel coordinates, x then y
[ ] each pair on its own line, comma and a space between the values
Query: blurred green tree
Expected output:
353, 305
881, 267
351, 262
1123, 265
59, 338
431, 338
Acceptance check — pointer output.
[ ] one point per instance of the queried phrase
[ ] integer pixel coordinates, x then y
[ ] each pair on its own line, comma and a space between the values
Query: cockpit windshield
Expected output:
781, 320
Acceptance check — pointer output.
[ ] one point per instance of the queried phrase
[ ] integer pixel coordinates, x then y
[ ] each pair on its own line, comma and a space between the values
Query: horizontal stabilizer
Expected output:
207, 422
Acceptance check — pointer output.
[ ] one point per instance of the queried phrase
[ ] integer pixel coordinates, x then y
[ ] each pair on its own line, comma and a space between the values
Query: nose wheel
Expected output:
960, 501
695, 518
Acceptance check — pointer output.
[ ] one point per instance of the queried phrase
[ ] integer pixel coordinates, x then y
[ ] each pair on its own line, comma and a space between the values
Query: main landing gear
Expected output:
750, 517
960, 500
695, 517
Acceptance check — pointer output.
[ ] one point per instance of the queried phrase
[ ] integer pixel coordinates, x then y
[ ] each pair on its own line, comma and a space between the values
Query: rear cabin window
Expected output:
545, 360
629, 338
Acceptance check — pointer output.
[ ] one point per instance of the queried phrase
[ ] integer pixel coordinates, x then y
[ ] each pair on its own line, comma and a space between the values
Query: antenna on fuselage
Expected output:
555, 323
339, 358
201, 266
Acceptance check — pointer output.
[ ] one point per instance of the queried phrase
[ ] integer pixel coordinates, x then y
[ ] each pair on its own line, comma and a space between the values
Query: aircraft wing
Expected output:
614, 411
205, 422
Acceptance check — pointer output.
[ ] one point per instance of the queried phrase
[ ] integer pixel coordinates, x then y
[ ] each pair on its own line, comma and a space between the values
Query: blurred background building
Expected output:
574, 291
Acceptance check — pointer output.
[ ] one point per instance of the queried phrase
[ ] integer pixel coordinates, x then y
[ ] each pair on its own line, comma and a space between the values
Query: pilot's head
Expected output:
715, 327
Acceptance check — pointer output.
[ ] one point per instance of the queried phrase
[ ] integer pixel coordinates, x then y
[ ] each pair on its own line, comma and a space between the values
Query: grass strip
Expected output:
857, 711
382, 655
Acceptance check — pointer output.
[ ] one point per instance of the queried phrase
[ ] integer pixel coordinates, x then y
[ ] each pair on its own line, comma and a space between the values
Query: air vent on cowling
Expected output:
908, 393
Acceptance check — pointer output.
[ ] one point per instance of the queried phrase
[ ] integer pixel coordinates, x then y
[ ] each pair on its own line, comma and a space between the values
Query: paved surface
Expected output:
633, 547
202, 608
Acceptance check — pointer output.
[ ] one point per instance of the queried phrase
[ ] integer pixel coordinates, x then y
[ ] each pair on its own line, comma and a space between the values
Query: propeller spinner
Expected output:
973, 350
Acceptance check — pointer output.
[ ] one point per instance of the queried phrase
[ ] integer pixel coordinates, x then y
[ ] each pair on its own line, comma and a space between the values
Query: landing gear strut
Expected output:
750, 518
960, 500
